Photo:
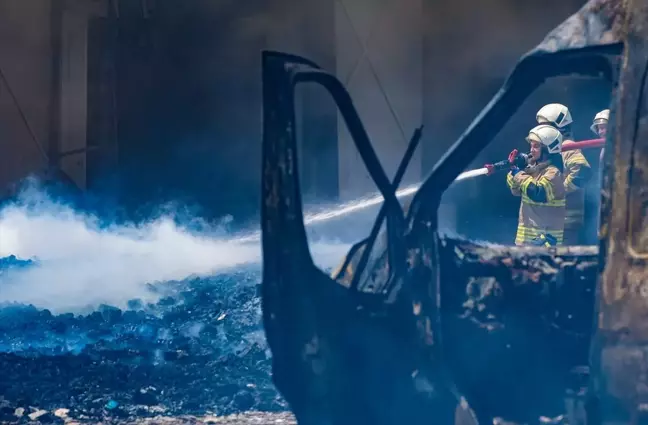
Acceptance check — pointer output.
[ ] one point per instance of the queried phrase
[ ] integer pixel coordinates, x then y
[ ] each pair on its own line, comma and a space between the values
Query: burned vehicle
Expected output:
416, 327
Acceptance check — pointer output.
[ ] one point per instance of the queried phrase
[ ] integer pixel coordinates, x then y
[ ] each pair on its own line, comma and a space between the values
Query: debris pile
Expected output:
200, 350
62, 416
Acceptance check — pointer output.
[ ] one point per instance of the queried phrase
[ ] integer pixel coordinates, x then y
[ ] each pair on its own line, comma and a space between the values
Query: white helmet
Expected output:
555, 114
548, 136
601, 118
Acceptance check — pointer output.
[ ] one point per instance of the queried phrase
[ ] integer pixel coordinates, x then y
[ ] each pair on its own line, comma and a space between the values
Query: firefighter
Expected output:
577, 174
599, 126
540, 184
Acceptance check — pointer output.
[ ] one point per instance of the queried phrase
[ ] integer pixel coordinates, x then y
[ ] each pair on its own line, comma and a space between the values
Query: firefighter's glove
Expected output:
514, 170
516, 159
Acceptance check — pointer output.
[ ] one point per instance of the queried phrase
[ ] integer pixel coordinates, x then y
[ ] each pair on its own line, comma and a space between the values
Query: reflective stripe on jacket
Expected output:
578, 173
542, 210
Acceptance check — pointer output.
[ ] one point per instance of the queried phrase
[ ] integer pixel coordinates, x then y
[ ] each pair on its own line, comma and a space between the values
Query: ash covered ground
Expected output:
199, 350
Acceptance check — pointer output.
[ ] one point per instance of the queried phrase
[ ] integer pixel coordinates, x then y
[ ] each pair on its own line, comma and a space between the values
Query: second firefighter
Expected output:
540, 185
577, 172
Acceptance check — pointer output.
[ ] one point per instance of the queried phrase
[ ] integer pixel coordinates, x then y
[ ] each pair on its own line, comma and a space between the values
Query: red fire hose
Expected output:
566, 146
583, 144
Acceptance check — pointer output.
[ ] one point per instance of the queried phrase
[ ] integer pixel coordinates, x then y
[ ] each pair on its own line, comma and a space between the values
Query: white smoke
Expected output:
83, 264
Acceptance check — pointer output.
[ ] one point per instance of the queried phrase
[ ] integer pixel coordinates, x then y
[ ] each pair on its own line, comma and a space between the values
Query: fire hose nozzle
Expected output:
517, 159
521, 160
498, 166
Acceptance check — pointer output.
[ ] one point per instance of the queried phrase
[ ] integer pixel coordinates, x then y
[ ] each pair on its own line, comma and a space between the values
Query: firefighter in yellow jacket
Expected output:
578, 172
540, 185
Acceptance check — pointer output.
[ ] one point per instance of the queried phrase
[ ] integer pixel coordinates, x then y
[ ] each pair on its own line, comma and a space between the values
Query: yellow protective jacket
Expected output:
578, 173
542, 210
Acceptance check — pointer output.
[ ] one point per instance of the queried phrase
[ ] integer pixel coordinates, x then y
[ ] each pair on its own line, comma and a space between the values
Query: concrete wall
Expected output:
25, 59
379, 47
188, 95
75, 16
306, 28
52, 95
375, 49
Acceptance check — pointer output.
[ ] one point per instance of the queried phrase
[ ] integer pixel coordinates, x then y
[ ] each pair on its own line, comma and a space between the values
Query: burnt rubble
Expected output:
199, 350
530, 311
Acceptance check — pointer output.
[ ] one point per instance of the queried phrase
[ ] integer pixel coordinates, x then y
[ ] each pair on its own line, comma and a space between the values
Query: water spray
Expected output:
83, 264
376, 199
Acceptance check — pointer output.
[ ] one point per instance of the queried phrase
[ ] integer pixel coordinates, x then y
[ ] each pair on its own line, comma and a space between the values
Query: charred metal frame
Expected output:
620, 346
323, 361
305, 335
371, 240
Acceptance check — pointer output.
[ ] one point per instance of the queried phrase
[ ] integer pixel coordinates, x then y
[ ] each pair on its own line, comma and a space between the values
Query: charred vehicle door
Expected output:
415, 327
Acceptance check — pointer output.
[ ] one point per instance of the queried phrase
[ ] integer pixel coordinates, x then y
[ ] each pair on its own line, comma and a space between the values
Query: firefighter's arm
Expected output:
580, 171
540, 191
512, 183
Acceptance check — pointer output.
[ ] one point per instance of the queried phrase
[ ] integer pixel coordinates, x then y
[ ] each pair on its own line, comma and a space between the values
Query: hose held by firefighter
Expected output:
577, 173
540, 185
